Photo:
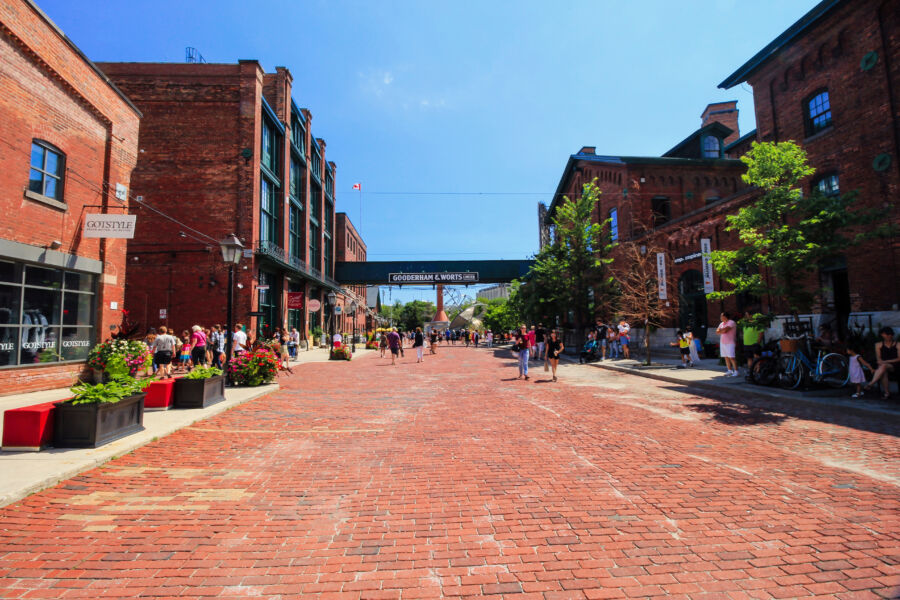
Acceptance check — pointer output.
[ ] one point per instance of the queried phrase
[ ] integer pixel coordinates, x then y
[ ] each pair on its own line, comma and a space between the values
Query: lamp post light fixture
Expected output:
353, 317
232, 249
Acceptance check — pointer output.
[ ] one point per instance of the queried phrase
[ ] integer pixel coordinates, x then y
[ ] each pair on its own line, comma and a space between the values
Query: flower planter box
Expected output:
199, 393
92, 425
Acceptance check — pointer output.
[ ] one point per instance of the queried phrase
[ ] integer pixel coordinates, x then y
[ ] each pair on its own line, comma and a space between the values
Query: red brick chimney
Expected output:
725, 113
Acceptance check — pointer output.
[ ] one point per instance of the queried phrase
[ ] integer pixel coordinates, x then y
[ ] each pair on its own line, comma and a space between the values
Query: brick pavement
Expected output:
451, 478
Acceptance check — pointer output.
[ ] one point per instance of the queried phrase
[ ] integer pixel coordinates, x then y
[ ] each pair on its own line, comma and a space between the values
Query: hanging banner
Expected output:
314, 305
295, 300
705, 249
661, 274
109, 226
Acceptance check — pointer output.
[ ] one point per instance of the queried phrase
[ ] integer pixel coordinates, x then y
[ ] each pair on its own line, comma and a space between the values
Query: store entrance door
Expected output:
692, 303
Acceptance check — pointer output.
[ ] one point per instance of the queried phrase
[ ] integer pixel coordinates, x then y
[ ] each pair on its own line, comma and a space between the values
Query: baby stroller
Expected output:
590, 352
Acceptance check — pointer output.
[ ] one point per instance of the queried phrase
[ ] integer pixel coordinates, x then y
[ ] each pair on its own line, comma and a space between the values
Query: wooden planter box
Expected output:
199, 393
92, 425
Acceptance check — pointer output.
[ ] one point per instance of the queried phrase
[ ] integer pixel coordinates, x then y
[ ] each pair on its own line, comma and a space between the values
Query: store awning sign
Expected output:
109, 226
412, 278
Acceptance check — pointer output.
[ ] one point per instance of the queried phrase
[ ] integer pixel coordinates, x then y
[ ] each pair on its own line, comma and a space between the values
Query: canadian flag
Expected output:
357, 186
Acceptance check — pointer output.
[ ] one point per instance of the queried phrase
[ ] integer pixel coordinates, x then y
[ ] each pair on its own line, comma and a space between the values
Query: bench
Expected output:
160, 395
29, 427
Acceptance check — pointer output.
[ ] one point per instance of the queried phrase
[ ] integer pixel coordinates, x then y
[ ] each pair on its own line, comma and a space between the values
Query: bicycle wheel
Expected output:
834, 370
764, 371
790, 372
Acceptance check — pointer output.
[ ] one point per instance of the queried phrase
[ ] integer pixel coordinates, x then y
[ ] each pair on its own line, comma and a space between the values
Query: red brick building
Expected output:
68, 142
351, 248
225, 148
641, 193
830, 82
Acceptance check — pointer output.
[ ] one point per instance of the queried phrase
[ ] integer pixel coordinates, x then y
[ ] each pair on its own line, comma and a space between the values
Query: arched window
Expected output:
711, 147
817, 112
47, 169
614, 224
661, 210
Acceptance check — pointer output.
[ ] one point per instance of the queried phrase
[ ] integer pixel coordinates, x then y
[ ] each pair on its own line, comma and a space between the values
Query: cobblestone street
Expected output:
452, 478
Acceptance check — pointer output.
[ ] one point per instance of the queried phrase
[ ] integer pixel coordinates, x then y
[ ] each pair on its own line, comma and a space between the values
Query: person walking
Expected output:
394, 343
523, 347
198, 346
151, 337
434, 341
293, 342
419, 344
163, 349
624, 337
727, 331
185, 351
540, 335
214, 344
383, 343
489, 338
238, 340
554, 347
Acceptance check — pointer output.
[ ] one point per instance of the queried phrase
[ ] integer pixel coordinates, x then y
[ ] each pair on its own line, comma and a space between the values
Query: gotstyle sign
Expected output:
109, 226
466, 277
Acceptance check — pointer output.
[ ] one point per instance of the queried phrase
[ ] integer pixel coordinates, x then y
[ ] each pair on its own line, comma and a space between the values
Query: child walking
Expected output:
857, 376
185, 362
683, 340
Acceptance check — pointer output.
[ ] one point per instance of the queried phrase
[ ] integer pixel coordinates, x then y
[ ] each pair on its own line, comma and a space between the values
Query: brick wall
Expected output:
51, 92
865, 108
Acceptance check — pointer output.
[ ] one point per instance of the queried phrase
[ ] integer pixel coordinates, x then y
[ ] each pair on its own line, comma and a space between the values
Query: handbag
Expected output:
546, 365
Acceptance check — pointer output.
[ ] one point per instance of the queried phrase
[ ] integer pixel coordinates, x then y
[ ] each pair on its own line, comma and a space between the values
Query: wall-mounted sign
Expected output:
466, 277
313, 305
705, 249
121, 192
661, 274
338, 309
295, 300
109, 226
680, 259
163, 313
262, 288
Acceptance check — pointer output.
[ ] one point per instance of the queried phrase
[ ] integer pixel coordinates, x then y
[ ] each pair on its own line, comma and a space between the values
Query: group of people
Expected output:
607, 340
207, 346
537, 343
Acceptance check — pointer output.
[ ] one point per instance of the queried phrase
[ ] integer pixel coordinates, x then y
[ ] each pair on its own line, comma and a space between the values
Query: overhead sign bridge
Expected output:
430, 272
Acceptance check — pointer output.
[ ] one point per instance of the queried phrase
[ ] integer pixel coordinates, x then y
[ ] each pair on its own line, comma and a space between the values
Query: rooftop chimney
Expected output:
588, 150
725, 113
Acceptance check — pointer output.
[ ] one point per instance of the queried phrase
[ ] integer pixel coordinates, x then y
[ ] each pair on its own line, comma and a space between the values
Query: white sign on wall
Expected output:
109, 226
121, 192
705, 249
661, 275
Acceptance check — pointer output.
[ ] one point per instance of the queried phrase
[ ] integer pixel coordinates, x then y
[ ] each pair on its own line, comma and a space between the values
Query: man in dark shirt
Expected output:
600, 332
540, 336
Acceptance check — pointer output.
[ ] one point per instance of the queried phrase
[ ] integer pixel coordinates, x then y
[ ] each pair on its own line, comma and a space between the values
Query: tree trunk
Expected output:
647, 339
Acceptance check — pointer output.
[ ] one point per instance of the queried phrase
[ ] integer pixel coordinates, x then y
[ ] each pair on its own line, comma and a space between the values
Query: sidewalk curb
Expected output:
760, 394
130, 446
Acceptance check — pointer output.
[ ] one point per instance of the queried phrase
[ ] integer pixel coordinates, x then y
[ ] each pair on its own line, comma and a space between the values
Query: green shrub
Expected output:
203, 373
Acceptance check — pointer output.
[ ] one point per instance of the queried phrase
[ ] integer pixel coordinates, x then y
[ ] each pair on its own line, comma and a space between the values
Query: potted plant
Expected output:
134, 353
200, 388
253, 368
342, 353
103, 412
316, 336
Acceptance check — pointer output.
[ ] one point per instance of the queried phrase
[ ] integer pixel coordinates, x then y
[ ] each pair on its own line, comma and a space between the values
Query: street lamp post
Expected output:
332, 300
353, 317
231, 254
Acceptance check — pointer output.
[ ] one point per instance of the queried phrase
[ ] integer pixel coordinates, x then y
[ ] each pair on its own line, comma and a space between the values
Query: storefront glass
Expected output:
46, 315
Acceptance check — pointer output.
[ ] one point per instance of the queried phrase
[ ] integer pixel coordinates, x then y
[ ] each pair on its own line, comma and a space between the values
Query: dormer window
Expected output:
712, 148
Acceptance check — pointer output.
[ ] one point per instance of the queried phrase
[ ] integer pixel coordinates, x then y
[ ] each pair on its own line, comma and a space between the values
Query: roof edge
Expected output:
804, 23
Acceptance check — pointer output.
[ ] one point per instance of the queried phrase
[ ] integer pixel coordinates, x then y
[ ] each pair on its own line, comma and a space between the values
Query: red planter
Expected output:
160, 395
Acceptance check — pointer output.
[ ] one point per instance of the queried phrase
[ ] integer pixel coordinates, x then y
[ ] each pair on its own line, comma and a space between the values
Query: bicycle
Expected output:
795, 367
764, 369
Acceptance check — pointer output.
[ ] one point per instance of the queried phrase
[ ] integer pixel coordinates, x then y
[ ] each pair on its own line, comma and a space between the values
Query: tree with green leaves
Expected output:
415, 314
572, 272
500, 316
787, 234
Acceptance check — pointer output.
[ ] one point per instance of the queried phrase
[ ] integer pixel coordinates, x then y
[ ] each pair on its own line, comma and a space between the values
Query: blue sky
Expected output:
458, 117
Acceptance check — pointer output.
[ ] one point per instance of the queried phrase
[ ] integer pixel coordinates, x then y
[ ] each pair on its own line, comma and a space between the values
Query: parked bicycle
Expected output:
795, 367
764, 368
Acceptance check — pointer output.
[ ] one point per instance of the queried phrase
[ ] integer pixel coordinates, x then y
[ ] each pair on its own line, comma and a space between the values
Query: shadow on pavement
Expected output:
735, 410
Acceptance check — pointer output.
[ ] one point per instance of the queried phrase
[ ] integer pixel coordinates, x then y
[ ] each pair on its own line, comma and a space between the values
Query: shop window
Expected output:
817, 112
46, 315
47, 168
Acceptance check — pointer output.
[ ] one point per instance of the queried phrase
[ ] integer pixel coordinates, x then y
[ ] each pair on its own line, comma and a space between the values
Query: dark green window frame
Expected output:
817, 112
